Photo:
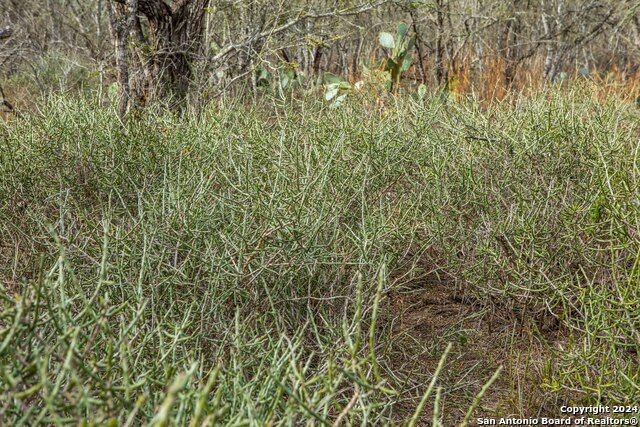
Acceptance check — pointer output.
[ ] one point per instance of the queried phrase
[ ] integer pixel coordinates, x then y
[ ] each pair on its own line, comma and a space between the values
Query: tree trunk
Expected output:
439, 49
5, 33
317, 58
418, 43
121, 19
506, 47
175, 36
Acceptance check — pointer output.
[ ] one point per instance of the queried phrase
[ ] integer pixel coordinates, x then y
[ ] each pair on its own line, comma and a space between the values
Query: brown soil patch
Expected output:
484, 337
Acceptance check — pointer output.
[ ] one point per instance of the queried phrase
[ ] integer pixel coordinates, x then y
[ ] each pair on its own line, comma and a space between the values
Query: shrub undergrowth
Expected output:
232, 267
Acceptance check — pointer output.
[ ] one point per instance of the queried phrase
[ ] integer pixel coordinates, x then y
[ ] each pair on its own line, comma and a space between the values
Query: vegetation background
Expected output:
317, 212
224, 47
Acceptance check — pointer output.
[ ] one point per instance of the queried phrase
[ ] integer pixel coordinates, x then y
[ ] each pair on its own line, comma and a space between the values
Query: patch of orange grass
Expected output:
488, 79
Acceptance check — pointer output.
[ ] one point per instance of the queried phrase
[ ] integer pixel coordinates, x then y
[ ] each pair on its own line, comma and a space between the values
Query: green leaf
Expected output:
411, 43
402, 30
331, 78
422, 91
263, 74
386, 40
344, 86
339, 100
406, 63
286, 77
332, 91
284, 80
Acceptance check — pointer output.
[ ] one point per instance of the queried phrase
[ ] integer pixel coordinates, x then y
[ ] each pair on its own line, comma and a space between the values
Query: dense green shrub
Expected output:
234, 267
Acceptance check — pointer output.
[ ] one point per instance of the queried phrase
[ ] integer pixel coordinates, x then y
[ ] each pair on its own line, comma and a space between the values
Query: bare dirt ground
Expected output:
484, 337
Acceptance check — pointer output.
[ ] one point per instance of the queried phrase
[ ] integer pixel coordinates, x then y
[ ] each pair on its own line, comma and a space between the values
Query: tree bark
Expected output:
122, 18
551, 58
418, 43
439, 49
175, 36
5, 33
506, 48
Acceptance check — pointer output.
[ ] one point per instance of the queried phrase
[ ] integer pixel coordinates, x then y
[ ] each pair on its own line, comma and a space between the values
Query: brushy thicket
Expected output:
233, 268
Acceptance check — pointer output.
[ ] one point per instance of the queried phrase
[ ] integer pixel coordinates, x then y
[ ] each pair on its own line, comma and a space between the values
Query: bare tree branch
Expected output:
302, 16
